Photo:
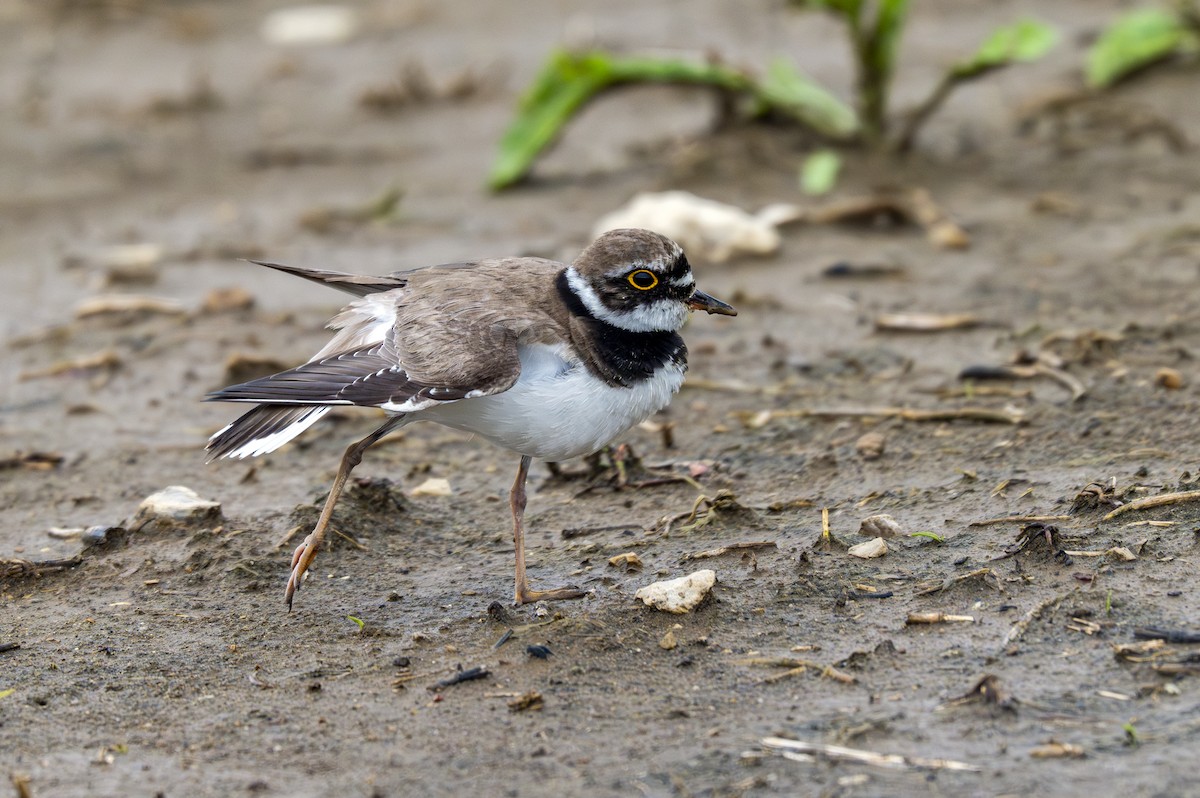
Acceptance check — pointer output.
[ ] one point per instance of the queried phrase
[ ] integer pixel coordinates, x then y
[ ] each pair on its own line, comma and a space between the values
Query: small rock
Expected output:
434, 486
627, 562
706, 229
880, 526
668, 641
870, 446
310, 24
225, 300
1167, 378
869, 549
178, 503
678, 595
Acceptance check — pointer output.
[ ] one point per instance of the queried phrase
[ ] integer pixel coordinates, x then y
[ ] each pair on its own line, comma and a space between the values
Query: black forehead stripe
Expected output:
679, 267
570, 298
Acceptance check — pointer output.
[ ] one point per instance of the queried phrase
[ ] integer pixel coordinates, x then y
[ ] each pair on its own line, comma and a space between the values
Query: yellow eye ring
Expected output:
643, 279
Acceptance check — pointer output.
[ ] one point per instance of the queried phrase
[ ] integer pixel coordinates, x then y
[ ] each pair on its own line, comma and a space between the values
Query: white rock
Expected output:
869, 549
706, 229
880, 526
434, 486
314, 24
678, 595
177, 503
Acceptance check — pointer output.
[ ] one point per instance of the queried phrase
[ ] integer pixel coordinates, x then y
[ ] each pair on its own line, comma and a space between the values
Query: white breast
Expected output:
557, 409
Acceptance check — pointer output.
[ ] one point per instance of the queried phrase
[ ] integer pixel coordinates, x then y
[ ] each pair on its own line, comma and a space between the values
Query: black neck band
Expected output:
622, 357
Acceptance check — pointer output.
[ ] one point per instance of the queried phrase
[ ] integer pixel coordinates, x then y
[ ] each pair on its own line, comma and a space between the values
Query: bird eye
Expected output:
643, 279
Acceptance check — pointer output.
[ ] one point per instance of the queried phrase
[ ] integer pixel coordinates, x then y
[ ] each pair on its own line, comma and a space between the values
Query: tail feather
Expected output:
357, 284
263, 429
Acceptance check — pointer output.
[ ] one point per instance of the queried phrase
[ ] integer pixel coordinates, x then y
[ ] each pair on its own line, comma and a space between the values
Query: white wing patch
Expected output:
362, 323
269, 443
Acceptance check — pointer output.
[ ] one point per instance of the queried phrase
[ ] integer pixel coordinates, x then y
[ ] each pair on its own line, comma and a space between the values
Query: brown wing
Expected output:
454, 336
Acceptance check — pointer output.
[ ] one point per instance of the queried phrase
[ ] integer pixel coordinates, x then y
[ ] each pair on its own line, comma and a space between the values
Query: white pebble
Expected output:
869, 549
178, 504
678, 595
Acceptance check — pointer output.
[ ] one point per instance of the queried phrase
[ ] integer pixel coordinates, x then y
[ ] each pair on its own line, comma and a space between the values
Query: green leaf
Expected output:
1026, 40
934, 536
1134, 40
8, 692
819, 173
888, 27
568, 80
361, 623
793, 93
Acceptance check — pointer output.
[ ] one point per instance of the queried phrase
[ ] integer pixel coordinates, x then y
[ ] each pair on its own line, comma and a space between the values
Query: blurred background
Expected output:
963, 237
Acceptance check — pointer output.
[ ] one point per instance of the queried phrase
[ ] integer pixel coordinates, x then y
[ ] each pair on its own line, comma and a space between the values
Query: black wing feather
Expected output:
369, 376
261, 422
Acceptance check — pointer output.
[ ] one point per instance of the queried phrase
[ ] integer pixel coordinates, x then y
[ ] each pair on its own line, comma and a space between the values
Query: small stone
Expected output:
880, 526
226, 300
178, 503
869, 549
870, 446
434, 486
1167, 378
629, 561
678, 595
668, 641
310, 25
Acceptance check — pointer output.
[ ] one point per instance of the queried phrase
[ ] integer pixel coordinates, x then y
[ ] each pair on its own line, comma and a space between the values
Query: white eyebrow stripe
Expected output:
663, 315
686, 281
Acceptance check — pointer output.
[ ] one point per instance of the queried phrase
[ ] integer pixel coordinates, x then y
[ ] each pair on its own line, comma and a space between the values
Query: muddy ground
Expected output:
164, 662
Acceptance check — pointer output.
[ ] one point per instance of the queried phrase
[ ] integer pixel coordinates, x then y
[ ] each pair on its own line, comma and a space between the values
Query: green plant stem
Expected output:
917, 118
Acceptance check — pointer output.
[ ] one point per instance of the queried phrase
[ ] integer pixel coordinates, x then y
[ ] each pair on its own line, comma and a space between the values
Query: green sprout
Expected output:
934, 536
1131, 735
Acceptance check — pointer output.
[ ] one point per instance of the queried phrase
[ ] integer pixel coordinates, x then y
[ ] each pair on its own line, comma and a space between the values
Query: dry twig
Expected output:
1155, 501
806, 751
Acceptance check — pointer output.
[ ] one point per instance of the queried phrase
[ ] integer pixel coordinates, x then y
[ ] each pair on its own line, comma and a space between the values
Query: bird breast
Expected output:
558, 409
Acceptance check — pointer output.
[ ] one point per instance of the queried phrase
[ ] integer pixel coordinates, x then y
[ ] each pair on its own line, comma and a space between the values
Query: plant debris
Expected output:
926, 322
937, 617
468, 675
16, 568
531, 701
32, 461
1149, 502
731, 547
984, 414
106, 361
802, 751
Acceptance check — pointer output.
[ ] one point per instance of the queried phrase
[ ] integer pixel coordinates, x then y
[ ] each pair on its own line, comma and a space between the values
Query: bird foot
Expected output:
525, 595
302, 558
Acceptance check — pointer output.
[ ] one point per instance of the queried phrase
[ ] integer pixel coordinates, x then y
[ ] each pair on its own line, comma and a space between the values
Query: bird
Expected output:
544, 359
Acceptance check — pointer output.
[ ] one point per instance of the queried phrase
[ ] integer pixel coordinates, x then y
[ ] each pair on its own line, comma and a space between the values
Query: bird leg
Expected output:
516, 500
306, 552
